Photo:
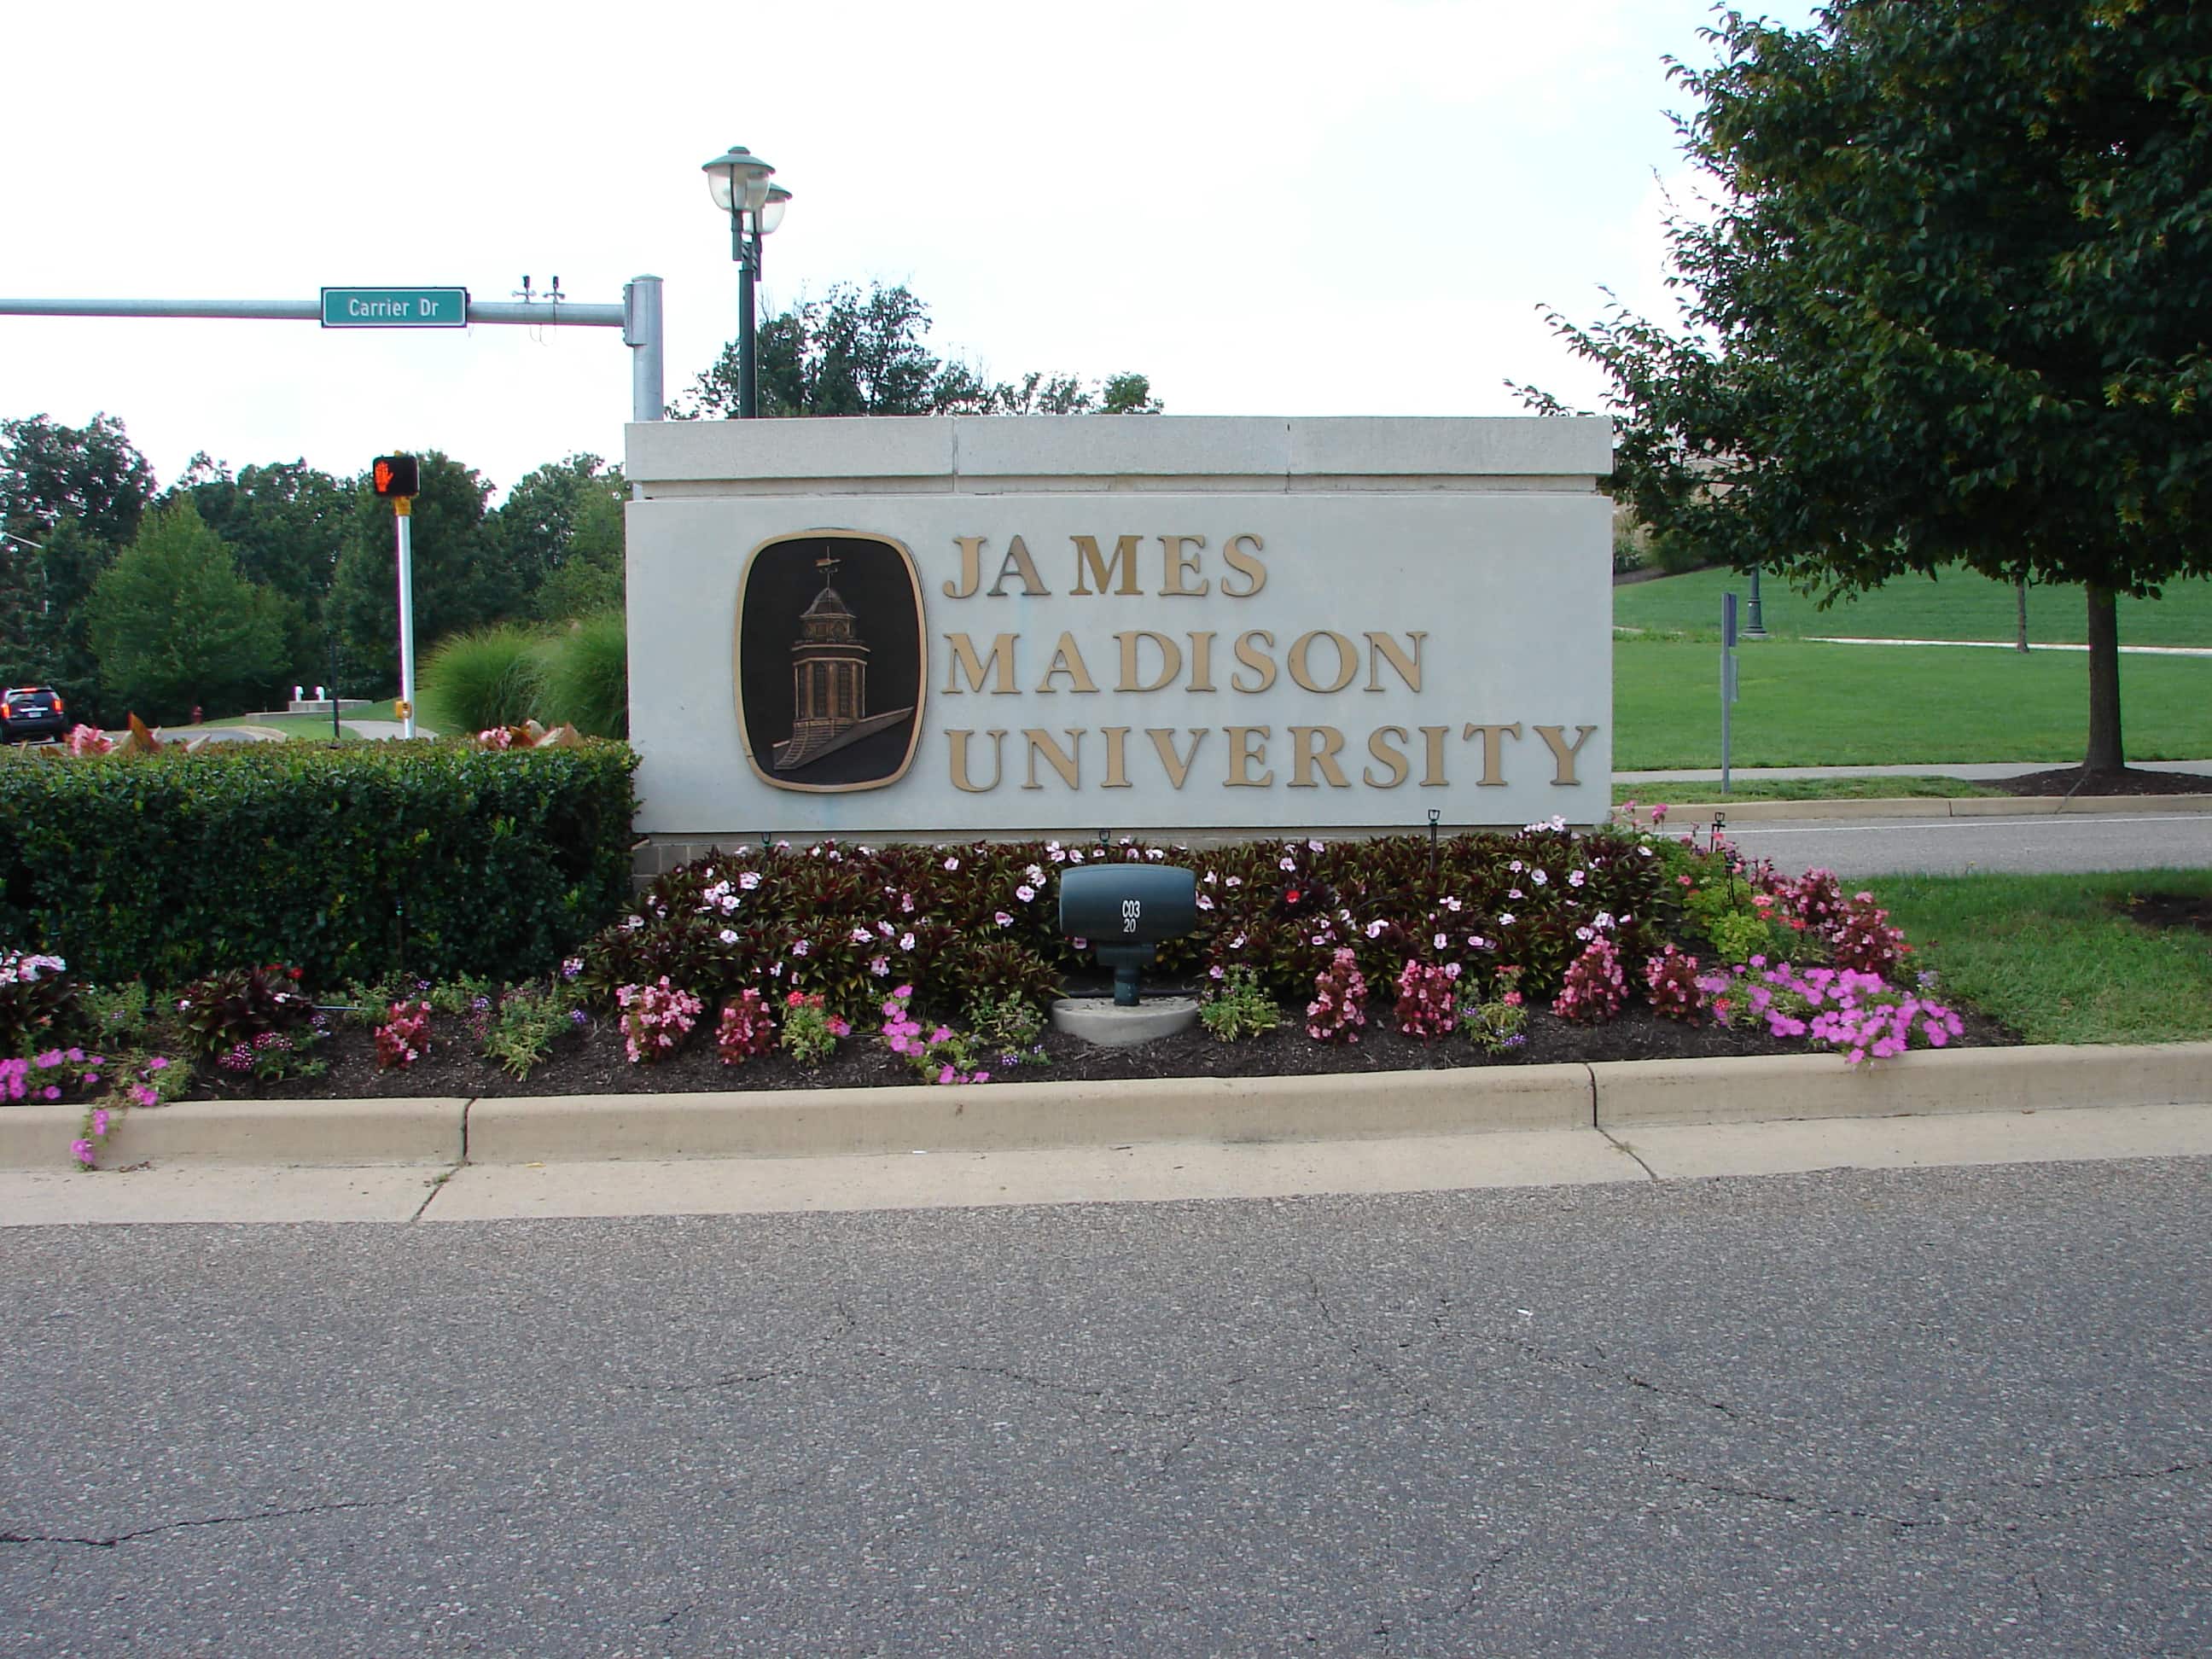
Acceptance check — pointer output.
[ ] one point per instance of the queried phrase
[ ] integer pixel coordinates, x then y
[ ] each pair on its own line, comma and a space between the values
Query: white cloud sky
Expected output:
1277, 207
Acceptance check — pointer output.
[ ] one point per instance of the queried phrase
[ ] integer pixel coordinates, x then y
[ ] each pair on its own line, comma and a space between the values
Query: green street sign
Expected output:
395, 307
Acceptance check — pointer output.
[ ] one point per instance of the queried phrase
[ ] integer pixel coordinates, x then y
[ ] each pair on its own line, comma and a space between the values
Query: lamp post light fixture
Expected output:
738, 180
1754, 624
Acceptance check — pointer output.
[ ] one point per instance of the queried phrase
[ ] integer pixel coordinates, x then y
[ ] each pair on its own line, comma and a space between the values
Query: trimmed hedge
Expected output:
352, 862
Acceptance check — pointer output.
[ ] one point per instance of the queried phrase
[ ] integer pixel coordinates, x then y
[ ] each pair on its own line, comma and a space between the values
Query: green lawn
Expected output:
1841, 705
1958, 605
2054, 958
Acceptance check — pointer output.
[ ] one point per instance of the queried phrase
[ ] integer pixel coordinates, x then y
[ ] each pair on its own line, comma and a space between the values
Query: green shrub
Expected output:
353, 862
488, 678
584, 676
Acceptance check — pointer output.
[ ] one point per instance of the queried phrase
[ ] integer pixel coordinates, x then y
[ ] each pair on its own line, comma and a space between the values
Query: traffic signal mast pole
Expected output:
638, 317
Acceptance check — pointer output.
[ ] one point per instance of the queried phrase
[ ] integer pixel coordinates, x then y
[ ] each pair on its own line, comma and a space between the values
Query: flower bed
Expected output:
830, 965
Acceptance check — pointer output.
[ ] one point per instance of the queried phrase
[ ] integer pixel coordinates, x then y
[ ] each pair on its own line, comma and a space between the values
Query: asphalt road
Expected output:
1958, 847
1928, 1413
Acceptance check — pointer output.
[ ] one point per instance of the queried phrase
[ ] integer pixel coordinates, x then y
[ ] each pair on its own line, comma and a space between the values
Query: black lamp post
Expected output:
738, 181
1754, 624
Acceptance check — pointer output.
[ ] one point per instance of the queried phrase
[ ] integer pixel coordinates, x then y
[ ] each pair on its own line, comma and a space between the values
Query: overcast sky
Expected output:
1276, 208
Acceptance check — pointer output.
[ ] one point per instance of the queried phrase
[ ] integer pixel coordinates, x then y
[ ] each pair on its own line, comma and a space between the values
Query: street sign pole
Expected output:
403, 516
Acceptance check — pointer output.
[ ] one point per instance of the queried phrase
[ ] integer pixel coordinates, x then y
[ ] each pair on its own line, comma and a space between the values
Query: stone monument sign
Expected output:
1141, 623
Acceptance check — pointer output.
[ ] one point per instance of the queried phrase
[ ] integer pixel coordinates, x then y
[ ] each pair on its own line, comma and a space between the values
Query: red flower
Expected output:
1290, 897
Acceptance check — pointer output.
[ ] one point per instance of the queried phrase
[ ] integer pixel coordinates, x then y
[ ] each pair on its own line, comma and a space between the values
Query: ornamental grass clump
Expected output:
1595, 988
655, 1019
1428, 999
1339, 1007
747, 1030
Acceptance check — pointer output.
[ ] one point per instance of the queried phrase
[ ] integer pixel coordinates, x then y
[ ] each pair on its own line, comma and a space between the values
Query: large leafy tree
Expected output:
172, 623
459, 580
285, 523
856, 352
565, 511
69, 497
1953, 305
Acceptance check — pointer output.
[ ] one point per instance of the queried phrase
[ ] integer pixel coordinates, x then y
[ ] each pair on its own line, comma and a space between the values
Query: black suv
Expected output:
30, 711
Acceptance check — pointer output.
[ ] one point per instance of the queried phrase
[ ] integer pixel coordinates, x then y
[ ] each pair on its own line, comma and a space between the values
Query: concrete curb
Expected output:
1928, 1082
1700, 814
312, 1131
998, 1117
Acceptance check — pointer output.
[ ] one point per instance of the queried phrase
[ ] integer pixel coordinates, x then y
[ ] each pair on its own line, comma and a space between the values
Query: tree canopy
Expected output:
459, 580
172, 623
855, 352
1952, 306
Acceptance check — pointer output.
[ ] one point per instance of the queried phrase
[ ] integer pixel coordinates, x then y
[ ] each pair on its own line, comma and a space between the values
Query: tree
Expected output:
284, 523
90, 473
855, 353
1953, 306
459, 581
172, 623
589, 580
564, 511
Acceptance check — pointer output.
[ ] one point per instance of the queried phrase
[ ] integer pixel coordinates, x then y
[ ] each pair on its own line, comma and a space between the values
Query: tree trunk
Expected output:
2105, 753
2021, 587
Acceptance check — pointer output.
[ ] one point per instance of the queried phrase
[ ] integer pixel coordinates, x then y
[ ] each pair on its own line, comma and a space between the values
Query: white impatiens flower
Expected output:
1313, 847
1005, 919
1025, 892
952, 864
800, 949
1583, 934
1375, 928
1204, 903
749, 880
1505, 920
906, 941
728, 936
1451, 903
1441, 942
1575, 877
1539, 877
1286, 864
1234, 881
862, 936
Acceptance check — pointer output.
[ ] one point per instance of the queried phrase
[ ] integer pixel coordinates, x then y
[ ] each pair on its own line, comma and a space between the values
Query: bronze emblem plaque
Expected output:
829, 669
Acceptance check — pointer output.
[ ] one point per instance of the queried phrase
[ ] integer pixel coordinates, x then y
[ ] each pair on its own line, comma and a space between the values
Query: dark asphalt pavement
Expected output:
1961, 847
1928, 1413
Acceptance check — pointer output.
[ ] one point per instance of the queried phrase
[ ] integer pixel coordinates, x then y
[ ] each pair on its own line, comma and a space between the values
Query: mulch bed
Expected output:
2124, 780
2168, 910
592, 1061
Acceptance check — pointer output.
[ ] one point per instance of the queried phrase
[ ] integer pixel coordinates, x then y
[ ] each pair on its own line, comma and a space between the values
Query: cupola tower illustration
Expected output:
830, 681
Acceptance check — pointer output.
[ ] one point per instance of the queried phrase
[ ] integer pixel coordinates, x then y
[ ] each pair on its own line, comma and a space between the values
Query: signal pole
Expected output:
398, 479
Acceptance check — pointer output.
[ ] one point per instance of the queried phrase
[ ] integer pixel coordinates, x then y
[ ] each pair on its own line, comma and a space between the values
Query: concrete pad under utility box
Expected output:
815, 1123
1630, 1093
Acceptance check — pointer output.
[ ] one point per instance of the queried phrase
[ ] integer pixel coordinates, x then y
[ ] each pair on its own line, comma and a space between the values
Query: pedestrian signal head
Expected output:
396, 475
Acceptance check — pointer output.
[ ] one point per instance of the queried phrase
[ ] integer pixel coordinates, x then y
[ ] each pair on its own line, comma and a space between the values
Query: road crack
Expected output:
115, 1540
